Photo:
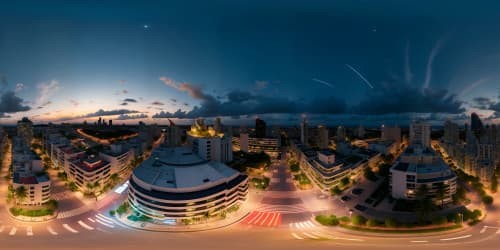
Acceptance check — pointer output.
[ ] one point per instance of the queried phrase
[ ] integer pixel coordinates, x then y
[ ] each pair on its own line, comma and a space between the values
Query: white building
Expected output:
177, 184
89, 169
209, 144
391, 133
245, 143
420, 133
37, 186
304, 133
419, 166
118, 156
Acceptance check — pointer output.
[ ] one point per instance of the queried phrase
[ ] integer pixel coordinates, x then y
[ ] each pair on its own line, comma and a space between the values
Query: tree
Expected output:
441, 192
390, 222
488, 200
358, 220
344, 181
369, 175
90, 187
422, 192
21, 194
114, 178
494, 183
336, 190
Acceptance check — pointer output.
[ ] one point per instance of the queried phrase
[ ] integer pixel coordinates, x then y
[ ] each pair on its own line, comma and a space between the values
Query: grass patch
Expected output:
400, 230
30, 213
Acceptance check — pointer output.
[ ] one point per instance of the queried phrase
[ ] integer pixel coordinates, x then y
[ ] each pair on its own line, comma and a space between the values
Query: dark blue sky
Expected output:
74, 60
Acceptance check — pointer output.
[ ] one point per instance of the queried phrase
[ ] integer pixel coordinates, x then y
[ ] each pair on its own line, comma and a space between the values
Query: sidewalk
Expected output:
147, 226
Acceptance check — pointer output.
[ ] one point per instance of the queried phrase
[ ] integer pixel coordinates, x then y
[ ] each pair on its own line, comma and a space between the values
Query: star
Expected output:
146, 26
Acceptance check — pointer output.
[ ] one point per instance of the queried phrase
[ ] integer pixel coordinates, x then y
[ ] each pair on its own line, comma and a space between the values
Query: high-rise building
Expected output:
217, 125
475, 124
25, 130
99, 122
323, 140
391, 133
451, 132
420, 133
110, 122
260, 128
341, 133
208, 144
173, 135
303, 132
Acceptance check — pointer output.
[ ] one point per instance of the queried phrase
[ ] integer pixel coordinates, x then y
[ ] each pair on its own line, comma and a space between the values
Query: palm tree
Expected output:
21, 194
89, 187
96, 185
114, 178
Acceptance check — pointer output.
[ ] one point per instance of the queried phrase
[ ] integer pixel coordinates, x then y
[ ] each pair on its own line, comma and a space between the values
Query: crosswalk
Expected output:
283, 209
98, 222
263, 219
73, 212
303, 230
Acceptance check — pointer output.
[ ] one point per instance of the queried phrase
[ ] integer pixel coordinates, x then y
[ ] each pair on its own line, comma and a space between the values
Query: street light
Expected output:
461, 218
350, 213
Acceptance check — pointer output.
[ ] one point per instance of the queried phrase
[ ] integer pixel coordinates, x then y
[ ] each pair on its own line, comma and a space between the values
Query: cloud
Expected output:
129, 100
125, 91
19, 87
402, 98
43, 105
10, 103
157, 103
482, 103
407, 69
122, 81
261, 84
193, 90
45, 91
173, 100
131, 117
472, 86
245, 103
435, 50
74, 103
124, 104
102, 112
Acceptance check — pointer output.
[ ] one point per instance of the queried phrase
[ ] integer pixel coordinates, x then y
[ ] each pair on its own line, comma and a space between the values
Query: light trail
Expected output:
360, 75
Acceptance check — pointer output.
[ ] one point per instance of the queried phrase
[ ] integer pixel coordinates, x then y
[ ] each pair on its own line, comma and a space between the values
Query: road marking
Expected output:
90, 219
483, 230
29, 231
255, 218
297, 237
51, 231
70, 228
311, 225
13, 231
2, 228
264, 219
457, 238
419, 241
498, 231
311, 236
104, 223
270, 223
85, 225
278, 221
104, 218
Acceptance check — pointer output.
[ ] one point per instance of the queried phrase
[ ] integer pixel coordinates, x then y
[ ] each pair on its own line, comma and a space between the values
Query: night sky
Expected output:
336, 62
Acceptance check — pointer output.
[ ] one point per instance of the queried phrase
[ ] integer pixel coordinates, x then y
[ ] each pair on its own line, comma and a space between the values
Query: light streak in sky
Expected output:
360, 76
323, 82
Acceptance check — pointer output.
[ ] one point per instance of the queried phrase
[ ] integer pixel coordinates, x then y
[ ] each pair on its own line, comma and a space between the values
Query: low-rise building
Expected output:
418, 166
87, 171
245, 143
37, 187
118, 156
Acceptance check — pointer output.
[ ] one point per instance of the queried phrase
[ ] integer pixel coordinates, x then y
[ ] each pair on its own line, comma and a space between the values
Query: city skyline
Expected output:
358, 64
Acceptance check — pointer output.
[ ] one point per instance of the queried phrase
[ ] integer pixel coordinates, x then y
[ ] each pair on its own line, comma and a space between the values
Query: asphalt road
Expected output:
97, 230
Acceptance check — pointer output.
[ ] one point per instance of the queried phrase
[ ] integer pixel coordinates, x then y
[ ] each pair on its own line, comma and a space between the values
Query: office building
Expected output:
176, 184
260, 128
420, 133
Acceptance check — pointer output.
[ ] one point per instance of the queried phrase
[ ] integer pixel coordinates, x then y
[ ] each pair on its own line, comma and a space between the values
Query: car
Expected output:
360, 207
357, 191
345, 198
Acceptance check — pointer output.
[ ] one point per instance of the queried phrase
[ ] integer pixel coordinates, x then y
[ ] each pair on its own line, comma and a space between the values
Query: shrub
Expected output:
488, 200
358, 220
440, 220
345, 219
327, 220
390, 222
372, 223
336, 190
112, 212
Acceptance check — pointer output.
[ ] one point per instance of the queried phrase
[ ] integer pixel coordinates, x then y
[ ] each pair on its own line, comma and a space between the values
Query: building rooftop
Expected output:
30, 179
89, 163
180, 168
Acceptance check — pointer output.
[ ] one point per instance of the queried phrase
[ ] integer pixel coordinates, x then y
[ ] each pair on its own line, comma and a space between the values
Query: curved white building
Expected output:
175, 183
